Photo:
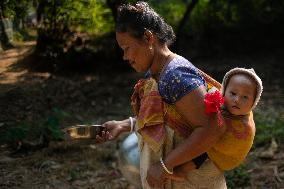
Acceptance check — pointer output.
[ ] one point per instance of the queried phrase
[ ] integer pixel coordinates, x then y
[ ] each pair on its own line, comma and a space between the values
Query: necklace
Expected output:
162, 66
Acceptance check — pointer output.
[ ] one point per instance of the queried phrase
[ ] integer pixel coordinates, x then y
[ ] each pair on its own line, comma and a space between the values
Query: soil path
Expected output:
9, 57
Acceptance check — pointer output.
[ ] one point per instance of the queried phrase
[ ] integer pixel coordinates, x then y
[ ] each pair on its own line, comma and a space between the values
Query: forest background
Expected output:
61, 66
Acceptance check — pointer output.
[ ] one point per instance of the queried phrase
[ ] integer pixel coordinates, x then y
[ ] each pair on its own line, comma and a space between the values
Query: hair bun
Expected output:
141, 6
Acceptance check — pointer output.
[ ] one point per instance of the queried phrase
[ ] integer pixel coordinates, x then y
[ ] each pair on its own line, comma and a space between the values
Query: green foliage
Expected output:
23, 35
268, 125
51, 126
171, 11
15, 134
17, 36
74, 173
91, 16
98, 18
57, 40
15, 8
237, 178
33, 131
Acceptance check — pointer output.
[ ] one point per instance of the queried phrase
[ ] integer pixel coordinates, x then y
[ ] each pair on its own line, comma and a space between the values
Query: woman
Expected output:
170, 121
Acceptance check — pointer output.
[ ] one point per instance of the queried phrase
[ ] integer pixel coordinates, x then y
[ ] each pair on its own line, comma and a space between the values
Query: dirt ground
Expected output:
96, 98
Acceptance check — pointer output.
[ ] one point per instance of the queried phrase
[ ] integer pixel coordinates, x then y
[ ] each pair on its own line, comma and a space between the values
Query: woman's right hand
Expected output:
112, 130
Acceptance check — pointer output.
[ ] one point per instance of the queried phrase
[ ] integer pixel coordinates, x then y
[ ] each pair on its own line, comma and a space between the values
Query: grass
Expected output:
237, 178
269, 124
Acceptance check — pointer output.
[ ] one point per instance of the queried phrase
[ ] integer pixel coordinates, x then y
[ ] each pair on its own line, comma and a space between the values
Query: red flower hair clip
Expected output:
213, 102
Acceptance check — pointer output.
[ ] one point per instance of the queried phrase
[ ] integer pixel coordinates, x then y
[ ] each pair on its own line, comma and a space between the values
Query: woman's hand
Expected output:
156, 176
112, 131
114, 128
177, 176
180, 172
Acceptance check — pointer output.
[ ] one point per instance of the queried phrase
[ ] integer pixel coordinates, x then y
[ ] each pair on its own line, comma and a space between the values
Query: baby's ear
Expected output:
212, 90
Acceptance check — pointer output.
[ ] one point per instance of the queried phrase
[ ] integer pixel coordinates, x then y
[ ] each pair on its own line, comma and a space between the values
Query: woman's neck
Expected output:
162, 56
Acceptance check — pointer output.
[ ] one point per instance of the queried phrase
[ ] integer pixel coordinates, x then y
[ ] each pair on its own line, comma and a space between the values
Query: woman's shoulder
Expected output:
178, 78
180, 68
178, 63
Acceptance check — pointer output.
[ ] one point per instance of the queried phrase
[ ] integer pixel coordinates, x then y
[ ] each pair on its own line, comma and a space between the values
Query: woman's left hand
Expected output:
156, 176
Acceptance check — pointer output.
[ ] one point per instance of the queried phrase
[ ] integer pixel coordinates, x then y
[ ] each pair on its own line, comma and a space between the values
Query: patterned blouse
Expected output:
177, 79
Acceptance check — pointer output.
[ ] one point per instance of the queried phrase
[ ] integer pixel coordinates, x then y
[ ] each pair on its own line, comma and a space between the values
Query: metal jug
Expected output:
129, 161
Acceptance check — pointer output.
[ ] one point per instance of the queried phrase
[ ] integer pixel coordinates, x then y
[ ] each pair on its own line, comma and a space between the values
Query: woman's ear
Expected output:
149, 37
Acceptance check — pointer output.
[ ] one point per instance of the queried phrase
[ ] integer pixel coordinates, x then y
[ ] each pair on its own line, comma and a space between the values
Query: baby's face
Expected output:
240, 94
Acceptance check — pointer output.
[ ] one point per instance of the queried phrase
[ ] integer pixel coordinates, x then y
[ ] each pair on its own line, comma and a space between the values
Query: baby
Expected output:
241, 91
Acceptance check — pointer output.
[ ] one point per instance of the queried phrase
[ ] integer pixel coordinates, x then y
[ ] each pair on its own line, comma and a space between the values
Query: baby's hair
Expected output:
138, 18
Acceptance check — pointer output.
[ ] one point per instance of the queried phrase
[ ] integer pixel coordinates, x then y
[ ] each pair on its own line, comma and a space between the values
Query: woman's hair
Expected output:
136, 19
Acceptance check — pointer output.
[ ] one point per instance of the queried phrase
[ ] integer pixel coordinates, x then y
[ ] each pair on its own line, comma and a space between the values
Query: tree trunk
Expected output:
2, 11
39, 12
182, 23
113, 4
4, 39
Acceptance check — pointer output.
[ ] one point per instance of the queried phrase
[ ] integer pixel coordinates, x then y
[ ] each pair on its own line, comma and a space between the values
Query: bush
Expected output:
268, 125
238, 177
23, 35
48, 128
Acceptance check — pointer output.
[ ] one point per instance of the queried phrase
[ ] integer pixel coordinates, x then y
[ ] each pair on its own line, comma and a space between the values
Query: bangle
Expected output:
131, 124
165, 168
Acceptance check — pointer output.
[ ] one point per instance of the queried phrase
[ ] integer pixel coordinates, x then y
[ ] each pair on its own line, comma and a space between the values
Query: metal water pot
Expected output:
129, 160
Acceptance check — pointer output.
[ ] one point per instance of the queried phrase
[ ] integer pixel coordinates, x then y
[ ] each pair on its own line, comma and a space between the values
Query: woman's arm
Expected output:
191, 107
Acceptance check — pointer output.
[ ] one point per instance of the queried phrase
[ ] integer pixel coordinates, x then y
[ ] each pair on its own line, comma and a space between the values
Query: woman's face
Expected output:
135, 51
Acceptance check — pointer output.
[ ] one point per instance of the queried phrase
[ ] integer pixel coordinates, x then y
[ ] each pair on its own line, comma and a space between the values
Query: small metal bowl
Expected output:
80, 132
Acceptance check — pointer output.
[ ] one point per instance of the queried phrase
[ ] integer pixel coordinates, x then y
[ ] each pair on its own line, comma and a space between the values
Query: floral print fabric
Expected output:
177, 79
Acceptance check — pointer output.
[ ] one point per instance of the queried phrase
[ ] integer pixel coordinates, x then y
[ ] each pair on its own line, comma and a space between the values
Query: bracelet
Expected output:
165, 168
131, 124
